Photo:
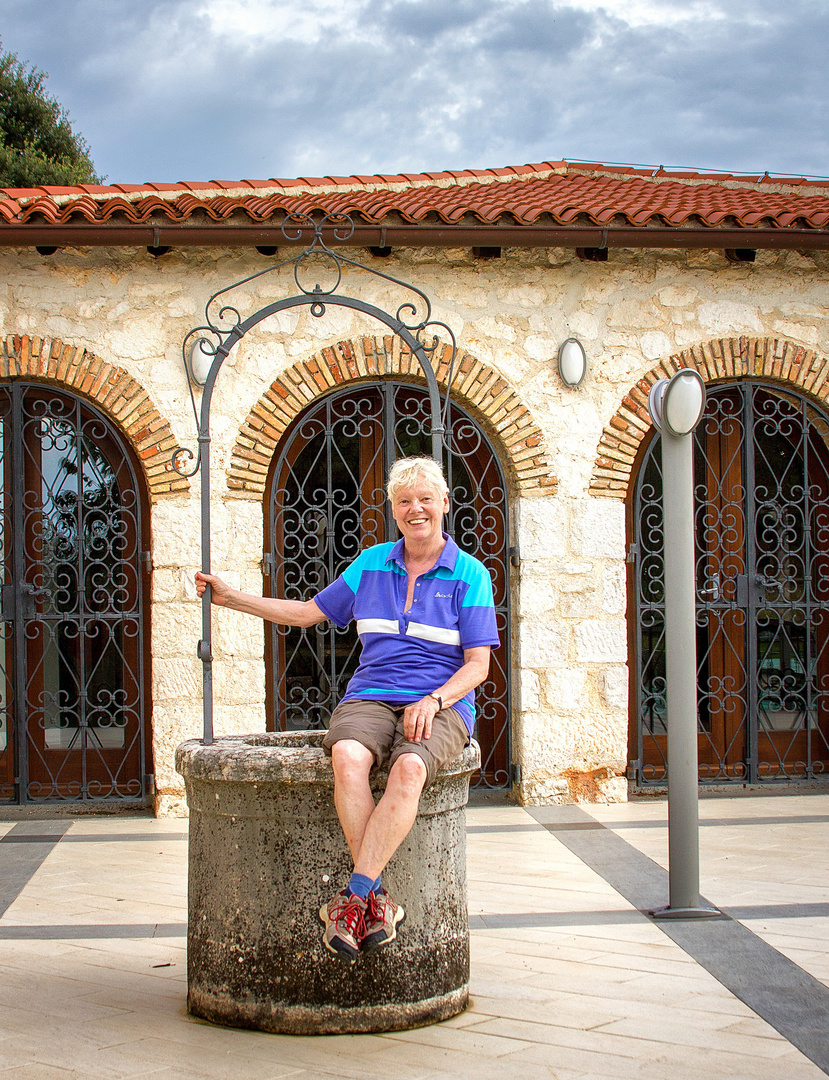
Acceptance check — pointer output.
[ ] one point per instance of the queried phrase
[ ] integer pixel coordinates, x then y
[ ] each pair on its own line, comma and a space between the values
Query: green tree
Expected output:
37, 143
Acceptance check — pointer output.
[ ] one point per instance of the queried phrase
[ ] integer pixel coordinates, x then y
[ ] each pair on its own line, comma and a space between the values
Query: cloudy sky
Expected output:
171, 90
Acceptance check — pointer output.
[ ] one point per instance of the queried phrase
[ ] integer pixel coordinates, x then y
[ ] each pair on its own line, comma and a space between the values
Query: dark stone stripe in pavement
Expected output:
518, 920
783, 994
816, 910
501, 828
27, 838
707, 823
504, 920
123, 838
102, 931
27, 844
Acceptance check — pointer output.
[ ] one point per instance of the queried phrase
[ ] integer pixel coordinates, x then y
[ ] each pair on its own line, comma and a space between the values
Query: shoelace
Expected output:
349, 913
374, 912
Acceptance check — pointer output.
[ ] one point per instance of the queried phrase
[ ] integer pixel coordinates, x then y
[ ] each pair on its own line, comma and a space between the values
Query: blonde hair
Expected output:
405, 472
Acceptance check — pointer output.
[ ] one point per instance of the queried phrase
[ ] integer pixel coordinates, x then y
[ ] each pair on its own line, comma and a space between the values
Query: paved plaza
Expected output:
571, 979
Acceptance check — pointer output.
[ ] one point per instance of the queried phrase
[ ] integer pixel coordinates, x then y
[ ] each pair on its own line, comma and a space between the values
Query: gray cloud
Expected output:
183, 89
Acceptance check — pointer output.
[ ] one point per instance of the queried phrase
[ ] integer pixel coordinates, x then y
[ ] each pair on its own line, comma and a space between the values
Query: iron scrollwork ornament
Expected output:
224, 325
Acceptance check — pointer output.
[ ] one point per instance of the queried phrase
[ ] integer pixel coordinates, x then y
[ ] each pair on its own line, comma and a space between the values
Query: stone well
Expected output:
266, 851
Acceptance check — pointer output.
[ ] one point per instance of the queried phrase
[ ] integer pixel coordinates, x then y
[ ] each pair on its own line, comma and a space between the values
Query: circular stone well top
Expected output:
279, 757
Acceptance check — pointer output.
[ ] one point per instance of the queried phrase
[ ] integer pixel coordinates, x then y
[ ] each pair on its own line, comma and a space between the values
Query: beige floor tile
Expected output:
605, 997
669, 1063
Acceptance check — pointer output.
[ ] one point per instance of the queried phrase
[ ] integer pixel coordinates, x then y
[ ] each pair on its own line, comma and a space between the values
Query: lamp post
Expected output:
676, 406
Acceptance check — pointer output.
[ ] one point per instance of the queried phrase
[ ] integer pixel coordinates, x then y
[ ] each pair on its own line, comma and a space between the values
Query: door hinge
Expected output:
268, 565
7, 603
515, 773
515, 555
633, 553
147, 561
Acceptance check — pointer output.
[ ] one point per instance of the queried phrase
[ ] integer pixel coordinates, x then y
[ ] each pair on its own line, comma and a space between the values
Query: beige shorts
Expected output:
379, 727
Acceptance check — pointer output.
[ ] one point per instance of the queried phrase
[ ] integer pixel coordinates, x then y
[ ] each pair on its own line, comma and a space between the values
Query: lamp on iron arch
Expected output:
199, 360
572, 362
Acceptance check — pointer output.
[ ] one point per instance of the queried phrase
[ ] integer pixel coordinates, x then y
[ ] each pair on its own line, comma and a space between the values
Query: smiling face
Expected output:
418, 511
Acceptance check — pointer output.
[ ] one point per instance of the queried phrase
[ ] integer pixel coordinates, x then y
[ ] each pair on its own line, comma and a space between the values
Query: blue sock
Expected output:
377, 887
359, 885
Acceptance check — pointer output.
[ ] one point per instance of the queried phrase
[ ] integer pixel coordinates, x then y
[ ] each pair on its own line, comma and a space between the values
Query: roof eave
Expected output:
429, 234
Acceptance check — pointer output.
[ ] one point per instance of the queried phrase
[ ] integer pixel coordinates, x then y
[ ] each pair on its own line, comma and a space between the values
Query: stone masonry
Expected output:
109, 325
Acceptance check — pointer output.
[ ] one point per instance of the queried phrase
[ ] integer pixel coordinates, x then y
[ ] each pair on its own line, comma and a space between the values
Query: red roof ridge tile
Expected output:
408, 182
558, 191
380, 181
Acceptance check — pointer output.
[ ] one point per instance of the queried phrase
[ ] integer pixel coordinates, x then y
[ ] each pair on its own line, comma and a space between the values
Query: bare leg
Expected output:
353, 800
389, 823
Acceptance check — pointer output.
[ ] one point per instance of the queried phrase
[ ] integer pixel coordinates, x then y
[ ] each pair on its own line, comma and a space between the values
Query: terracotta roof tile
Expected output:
558, 192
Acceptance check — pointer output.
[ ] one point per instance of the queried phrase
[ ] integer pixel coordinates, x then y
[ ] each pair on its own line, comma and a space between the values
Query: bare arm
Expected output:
418, 717
286, 612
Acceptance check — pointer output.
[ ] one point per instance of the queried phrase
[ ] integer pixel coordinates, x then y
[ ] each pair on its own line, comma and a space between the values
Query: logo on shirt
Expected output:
443, 595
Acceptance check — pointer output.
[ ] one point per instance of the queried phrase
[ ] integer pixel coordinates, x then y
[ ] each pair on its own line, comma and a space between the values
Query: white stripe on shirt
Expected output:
378, 626
434, 633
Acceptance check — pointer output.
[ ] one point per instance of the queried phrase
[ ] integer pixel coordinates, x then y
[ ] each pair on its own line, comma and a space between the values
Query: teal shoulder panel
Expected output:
476, 577
373, 558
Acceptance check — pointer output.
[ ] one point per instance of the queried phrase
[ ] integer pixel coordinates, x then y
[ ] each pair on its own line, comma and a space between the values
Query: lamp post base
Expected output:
686, 913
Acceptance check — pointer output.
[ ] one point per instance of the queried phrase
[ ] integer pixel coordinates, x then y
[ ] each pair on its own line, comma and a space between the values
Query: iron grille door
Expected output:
762, 540
72, 678
327, 503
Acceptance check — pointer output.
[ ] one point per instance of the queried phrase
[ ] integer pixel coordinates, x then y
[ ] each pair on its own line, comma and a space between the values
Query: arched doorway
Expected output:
74, 554
762, 572
325, 503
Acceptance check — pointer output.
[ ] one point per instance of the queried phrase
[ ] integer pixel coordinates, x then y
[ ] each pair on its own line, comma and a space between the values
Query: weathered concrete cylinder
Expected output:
266, 851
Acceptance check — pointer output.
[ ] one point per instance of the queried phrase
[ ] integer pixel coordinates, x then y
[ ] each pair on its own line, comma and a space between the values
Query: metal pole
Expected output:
681, 675
205, 646
204, 651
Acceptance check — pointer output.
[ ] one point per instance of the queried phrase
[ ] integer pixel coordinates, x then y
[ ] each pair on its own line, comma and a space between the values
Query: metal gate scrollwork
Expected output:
327, 503
72, 648
762, 587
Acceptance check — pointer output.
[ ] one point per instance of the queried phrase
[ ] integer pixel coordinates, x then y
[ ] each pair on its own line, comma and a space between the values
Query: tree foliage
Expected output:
37, 143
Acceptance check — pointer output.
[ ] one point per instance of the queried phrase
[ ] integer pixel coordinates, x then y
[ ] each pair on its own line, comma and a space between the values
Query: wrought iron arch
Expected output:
762, 587
73, 723
325, 501
224, 327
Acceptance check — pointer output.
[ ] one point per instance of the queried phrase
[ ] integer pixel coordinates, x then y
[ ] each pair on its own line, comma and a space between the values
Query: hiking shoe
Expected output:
382, 918
345, 926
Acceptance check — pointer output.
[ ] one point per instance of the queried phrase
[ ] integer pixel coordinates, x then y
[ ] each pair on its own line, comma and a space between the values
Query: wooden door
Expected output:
73, 603
762, 536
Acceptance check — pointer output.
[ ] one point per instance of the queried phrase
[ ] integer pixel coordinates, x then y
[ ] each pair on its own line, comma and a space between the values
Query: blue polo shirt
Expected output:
407, 654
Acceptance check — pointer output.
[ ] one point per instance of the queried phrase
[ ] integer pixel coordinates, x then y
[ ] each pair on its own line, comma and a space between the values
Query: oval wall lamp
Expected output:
199, 360
572, 362
676, 405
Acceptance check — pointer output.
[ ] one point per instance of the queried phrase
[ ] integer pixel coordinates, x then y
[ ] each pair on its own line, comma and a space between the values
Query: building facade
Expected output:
558, 489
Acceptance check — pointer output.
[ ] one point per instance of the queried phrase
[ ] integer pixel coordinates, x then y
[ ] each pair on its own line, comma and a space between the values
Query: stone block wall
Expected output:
109, 324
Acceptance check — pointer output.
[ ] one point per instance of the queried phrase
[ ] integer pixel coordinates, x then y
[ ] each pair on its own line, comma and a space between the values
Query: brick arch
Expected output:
474, 383
112, 389
728, 358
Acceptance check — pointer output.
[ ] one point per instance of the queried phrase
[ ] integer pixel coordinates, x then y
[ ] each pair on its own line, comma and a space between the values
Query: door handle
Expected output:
762, 584
30, 595
710, 592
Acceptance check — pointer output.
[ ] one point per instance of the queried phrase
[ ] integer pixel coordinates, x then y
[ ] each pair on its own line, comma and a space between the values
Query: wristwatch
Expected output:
438, 699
